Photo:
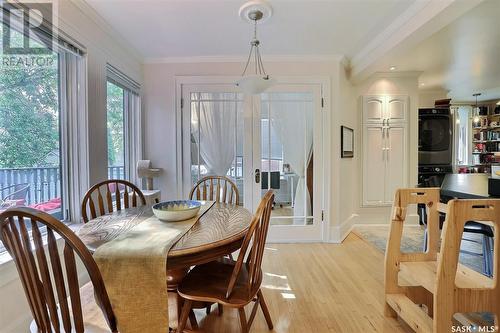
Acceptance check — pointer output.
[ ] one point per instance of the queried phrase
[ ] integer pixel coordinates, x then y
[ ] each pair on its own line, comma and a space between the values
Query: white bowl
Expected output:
178, 210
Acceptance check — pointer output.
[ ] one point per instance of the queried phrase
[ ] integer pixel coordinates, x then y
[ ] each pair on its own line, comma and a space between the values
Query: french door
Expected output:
270, 141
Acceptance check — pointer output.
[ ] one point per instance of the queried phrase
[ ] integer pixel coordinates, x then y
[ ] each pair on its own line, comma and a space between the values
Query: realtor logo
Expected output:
27, 27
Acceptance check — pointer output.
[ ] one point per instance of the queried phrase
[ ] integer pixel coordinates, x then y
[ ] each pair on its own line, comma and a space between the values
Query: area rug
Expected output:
413, 241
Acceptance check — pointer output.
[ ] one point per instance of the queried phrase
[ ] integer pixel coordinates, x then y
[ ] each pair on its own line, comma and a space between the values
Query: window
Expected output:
43, 133
31, 160
115, 125
217, 135
123, 125
463, 140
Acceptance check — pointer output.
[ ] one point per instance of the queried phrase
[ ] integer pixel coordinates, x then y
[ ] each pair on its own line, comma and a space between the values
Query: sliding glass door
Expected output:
271, 141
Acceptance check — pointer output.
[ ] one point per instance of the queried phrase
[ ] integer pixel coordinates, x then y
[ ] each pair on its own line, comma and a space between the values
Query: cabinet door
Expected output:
395, 159
396, 109
373, 109
373, 165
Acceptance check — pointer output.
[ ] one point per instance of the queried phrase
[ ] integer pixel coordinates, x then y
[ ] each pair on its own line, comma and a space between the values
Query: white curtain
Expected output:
292, 121
215, 134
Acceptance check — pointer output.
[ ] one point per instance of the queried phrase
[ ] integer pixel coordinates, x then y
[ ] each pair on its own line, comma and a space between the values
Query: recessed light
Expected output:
392, 68
422, 84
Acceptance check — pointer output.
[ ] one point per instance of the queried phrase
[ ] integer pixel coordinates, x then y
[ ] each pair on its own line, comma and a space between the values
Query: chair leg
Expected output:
220, 307
243, 320
186, 309
265, 310
208, 308
487, 256
426, 239
192, 320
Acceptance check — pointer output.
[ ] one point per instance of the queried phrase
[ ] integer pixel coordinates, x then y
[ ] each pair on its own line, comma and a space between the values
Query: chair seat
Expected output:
94, 321
209, 282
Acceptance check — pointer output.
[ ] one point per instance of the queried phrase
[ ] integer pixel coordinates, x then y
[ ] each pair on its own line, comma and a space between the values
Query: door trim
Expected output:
325, 86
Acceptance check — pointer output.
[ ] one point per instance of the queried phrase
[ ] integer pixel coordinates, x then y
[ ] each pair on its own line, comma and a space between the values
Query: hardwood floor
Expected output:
316, 288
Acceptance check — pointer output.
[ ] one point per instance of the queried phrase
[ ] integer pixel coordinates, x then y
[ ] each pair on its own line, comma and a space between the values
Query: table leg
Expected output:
174, 278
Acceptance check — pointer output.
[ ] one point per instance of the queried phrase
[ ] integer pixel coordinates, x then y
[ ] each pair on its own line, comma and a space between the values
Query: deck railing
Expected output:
44, 182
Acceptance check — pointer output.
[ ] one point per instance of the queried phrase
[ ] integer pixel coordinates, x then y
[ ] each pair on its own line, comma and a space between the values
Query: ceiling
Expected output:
212, 28
462, 58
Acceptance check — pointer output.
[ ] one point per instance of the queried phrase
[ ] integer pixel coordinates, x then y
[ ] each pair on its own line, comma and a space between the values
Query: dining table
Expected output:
218, 232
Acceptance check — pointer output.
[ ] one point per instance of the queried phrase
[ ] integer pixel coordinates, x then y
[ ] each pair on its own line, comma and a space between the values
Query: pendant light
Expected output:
259, 81
476, 109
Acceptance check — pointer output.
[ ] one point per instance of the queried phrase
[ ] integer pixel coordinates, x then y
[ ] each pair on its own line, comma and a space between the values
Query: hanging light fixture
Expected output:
258, 81
476, 109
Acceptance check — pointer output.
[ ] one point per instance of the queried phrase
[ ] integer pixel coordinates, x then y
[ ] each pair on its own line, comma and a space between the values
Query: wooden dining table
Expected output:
218, 232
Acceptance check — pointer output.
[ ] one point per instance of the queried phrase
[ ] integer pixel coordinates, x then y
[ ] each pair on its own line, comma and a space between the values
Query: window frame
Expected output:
132, 120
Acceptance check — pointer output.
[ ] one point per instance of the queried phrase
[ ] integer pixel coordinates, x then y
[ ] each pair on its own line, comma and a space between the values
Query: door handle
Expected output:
257, 176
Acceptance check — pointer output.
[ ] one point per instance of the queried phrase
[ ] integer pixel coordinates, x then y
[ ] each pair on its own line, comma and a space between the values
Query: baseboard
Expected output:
340, 232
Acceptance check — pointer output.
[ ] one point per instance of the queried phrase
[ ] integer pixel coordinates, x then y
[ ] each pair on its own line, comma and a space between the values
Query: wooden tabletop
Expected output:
220, 229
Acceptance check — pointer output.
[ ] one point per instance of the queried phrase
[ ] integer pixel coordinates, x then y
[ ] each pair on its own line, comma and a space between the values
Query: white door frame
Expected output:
323, 81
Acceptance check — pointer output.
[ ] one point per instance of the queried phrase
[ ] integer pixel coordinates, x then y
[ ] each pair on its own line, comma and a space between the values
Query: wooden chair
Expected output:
439, 281
45, 284
215, 188
233, 284
111, 195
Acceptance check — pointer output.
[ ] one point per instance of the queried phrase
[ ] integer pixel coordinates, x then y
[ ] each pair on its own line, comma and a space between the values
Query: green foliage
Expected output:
29, 114
115, 122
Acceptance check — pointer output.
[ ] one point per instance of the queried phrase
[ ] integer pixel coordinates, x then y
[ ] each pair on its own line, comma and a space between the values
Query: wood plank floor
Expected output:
314, 288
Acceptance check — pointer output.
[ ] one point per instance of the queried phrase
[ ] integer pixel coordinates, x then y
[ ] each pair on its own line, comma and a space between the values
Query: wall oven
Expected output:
435, 144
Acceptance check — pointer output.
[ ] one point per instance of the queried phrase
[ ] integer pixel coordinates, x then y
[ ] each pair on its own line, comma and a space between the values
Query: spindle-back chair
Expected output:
50, 281
215, 188
111, 195
233, 284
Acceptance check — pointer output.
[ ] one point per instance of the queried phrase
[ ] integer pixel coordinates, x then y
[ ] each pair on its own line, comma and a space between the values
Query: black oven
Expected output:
435, 136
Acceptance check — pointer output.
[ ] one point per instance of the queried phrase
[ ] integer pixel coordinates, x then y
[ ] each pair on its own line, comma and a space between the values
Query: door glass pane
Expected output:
30, 132
217, 136
287, 155
115, 131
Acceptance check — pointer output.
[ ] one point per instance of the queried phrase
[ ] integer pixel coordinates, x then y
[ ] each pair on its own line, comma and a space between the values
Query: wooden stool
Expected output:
438, 281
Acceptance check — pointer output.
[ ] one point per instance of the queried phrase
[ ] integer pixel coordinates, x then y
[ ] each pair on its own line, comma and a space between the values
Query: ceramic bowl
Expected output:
179, 210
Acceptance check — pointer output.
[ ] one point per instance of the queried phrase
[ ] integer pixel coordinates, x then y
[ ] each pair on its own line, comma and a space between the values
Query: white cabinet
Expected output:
374, 152
384, 148
385, 109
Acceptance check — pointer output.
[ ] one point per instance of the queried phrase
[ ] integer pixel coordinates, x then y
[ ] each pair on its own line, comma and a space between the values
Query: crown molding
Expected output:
243, 58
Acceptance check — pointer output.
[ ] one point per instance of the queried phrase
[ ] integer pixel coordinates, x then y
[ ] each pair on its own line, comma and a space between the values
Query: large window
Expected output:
43, 133
31, 160
123, 125
116, 133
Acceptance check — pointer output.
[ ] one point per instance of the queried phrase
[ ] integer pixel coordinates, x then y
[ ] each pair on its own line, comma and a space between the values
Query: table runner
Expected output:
133, 267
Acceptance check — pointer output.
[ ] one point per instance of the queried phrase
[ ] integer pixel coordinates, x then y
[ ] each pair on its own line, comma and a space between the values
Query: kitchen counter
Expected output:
466, 186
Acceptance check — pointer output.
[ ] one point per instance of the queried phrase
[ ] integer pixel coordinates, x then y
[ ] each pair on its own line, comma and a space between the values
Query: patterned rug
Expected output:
413, 241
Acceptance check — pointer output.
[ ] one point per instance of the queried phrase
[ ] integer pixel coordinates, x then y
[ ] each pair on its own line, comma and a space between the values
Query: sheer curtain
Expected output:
292, 120
215, 134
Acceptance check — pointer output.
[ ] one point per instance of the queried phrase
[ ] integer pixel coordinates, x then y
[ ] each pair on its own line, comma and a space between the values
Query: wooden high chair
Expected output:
434, 279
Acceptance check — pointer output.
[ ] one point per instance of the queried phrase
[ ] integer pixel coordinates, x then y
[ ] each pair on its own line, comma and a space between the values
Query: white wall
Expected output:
349, 178
81, 23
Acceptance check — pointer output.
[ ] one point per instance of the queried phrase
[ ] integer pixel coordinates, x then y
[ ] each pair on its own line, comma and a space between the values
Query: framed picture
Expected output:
346, 142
